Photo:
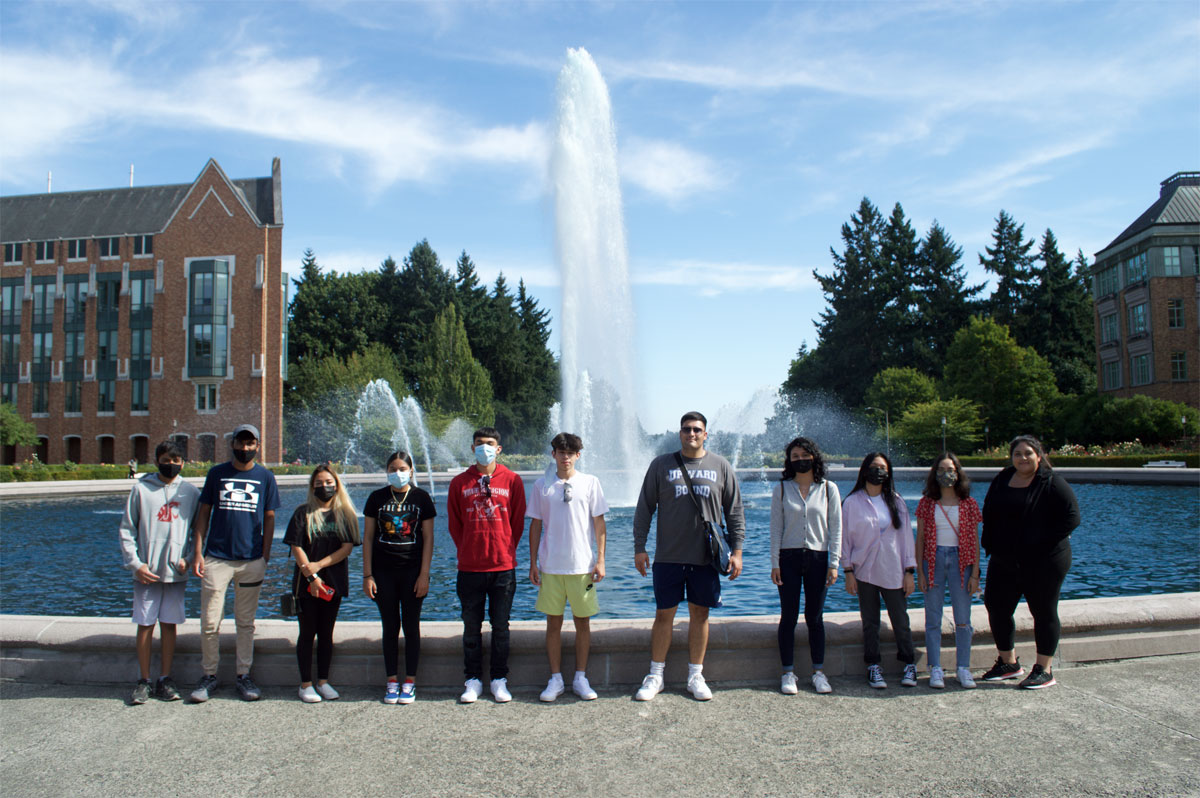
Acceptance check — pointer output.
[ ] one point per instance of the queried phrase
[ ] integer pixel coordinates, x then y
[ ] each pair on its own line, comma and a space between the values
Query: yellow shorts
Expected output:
558, 589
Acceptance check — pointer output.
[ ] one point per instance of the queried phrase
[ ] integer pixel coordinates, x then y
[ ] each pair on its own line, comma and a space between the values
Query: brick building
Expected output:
131, 315
1147, 300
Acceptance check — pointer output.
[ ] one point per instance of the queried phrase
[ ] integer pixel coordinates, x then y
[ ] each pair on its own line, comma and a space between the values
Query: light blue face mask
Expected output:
485, 454
398, 479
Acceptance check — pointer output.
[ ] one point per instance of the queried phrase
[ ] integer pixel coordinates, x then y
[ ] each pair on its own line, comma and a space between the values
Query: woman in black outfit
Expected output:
1028, 517
322, 533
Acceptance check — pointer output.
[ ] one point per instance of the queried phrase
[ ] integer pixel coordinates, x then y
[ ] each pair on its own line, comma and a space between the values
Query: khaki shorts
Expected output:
558, 589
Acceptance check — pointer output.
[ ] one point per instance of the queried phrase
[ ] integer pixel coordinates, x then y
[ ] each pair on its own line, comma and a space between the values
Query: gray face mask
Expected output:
946, 479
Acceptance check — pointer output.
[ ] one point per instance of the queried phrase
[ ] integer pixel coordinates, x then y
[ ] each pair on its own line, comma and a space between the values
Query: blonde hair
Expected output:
344, 513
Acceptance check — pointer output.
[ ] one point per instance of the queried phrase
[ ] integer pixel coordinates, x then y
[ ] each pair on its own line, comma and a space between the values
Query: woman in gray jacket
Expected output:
806, 542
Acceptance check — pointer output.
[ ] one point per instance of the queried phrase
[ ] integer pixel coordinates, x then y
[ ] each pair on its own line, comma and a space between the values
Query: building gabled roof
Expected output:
142, 210
1178, 203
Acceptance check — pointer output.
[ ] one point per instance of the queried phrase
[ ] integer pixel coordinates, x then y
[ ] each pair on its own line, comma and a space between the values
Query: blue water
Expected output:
61, 556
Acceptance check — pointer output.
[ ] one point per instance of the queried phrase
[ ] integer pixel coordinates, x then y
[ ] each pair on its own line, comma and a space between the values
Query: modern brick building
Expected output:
1147, 299
131, 315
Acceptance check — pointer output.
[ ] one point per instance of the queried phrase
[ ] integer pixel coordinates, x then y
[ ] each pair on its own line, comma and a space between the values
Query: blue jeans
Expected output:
946, 574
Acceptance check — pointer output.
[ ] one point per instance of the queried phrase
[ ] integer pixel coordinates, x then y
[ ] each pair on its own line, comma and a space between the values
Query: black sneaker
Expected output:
1038, 678
165, 689
141, 692
247, 689
205, 689
1003, 670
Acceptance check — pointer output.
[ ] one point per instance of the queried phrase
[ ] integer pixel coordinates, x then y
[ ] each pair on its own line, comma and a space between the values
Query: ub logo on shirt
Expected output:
239, 494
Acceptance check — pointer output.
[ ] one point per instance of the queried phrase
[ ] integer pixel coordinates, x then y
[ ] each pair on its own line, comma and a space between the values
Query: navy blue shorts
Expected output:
673, 581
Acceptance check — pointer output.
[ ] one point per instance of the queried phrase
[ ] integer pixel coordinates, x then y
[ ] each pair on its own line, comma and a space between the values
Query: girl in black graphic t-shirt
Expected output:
399, 534
321, 534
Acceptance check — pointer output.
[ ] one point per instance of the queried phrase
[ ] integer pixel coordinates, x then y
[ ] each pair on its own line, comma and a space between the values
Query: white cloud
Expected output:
668, 169
712, 278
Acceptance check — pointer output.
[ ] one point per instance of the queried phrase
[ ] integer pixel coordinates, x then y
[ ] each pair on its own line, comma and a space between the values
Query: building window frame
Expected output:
1135, 269
14, 253
43, 252
1175, 317
106, 397
1179, 367
1137, 318
143, 246
1140, 371
139, 399
1110, 328
77, 249
208, 397
41, 399
109, 247
1172, 262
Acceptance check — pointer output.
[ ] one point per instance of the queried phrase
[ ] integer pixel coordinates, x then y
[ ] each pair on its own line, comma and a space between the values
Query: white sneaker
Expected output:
327, 692
499, 690
553, 690
820, 683
582, 688
309, 696
474, 689
698, 688
651, 686
787, 684
937, 678
965, 679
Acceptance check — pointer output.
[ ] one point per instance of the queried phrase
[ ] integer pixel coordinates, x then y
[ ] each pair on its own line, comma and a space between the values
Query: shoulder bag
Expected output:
718, 542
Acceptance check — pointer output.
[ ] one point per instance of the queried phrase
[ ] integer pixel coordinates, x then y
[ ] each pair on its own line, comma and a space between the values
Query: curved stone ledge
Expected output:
742, 649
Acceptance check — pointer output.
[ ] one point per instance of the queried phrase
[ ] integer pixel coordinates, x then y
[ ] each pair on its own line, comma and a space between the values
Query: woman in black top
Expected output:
1028, 517
399, 531
321, 533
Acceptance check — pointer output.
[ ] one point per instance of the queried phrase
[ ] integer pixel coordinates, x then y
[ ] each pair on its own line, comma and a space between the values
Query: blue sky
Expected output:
747, 133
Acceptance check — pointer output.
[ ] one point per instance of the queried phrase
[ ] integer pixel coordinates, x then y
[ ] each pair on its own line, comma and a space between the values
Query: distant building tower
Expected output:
1147, 300
132, 315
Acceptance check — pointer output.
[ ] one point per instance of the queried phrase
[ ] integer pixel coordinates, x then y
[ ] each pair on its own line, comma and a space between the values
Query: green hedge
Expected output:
1093, 461
58, 473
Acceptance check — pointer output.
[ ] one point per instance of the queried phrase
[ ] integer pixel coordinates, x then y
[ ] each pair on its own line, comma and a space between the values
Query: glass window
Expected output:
109, 247
45, 251
143, 245
1135, 269
1109, 329
1179, 365
1137, 319
107, 395
73, 346
1175, 314
108, 298
43, 347
141, 293
73, 398
41, 397
1171, 262
139, 345
1112, 375
201, 341
1139, 370
140, 395
207, 397
10, 347
11, 297
77, 249
8, 392
106, 345
43, 303
1106, 281
14, 253
75, 301
202, 294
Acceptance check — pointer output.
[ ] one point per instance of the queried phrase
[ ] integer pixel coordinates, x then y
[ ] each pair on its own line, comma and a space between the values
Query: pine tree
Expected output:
422, 290
898, 289
944, 300
452, 381
1059, 322
331, 315
1008, 258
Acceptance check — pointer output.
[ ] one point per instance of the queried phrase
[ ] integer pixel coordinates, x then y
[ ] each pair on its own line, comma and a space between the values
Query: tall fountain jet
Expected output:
598, 392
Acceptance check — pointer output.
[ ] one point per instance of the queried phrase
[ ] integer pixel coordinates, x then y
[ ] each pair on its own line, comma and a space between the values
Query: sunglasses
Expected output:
692, 430
485, 482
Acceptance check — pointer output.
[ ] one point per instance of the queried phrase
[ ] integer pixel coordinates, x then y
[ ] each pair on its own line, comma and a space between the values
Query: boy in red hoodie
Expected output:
486, 510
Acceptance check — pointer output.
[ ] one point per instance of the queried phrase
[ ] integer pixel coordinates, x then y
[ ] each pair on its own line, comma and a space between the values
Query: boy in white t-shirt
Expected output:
568, 518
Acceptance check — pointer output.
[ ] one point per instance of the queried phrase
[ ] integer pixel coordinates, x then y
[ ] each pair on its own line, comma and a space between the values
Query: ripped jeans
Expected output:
946, 574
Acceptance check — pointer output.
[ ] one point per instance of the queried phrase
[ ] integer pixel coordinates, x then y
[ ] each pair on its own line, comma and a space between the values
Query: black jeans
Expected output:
399, 608
802, 570
1040, 581
316, 617
897, 609
497, 588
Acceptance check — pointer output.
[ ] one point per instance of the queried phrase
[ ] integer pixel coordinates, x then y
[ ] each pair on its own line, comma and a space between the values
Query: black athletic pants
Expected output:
1040, 582
399, 608
316, 618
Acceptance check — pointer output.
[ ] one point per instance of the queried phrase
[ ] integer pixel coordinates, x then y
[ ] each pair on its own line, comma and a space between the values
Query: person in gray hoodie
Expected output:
156, 535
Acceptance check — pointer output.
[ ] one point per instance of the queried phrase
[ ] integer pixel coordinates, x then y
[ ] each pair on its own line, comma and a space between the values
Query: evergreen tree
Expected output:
453, 383
944, 300
331, 315
1008, 258
471, 297
898, 291
423, 289
850, 348
1059, 319
542, 387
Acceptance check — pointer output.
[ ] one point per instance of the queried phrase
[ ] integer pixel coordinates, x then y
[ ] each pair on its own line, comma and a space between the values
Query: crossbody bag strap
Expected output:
688, 481
948, 521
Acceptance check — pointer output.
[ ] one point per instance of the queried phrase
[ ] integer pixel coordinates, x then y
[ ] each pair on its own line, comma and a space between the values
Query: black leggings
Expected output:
399, 608
1039, 581
316, 618
802, 570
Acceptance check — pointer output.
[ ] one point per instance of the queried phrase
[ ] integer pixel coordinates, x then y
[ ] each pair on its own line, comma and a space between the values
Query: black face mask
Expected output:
244, 455
877, 475
802, 466
169, 470
325, 492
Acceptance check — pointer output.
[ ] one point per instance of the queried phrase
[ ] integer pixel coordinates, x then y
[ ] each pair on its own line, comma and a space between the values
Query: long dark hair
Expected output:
933, 489
810, 446
1036, 445
889, 490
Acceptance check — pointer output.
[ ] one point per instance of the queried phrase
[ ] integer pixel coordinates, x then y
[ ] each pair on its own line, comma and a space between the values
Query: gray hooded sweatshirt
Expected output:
156, 529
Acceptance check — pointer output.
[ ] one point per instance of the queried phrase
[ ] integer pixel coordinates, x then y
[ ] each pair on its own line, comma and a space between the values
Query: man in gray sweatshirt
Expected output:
682, 564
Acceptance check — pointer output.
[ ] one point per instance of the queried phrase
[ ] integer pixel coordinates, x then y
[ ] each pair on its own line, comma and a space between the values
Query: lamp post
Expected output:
887, 426
987, 438
943, 433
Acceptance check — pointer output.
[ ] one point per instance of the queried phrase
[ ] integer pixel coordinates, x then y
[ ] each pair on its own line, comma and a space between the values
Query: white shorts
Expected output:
161, 602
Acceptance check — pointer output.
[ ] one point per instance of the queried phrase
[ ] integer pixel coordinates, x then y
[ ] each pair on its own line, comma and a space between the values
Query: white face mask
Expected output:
398, 479
485, 454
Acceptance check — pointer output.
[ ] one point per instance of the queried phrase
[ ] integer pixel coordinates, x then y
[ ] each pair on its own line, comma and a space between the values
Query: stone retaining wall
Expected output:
101, 650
